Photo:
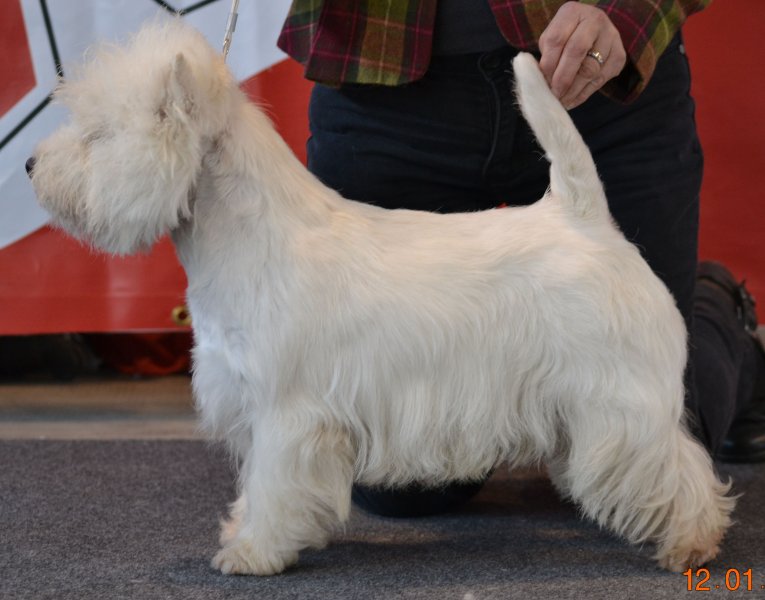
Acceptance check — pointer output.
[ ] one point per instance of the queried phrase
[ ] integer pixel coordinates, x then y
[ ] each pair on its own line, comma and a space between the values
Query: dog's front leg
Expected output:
295, 486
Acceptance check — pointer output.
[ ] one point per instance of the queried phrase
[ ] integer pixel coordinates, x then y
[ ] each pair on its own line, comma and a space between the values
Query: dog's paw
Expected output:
240, 558
679, 560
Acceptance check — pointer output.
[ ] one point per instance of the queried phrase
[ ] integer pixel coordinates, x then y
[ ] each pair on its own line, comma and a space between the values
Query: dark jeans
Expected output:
455, 141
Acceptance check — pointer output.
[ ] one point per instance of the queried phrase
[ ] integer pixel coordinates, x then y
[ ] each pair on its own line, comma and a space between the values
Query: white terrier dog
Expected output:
339, 342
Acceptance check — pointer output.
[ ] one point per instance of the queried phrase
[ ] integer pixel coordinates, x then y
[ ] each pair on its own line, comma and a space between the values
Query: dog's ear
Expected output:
178, 136
178, 100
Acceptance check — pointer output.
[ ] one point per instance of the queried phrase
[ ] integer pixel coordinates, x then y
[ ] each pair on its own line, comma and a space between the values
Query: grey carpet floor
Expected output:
102, 520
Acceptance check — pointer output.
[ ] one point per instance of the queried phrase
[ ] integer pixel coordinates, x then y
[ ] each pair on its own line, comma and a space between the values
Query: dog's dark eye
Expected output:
93, 136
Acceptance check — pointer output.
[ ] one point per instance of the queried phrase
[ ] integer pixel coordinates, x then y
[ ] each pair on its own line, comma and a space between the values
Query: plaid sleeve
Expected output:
300, 28
646, 28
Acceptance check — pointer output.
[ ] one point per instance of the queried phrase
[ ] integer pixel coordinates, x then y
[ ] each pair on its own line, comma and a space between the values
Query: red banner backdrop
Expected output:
17, 70
50, 283
727, 57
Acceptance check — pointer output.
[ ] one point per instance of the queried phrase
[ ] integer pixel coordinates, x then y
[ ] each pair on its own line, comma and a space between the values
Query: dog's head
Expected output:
122, 171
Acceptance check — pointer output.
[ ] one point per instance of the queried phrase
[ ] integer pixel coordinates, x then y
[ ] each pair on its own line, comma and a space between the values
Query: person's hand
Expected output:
576, 30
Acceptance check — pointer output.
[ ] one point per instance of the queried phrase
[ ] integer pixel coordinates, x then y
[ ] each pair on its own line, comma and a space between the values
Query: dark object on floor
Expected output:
144, 354
40, 357
113, 520
63, 357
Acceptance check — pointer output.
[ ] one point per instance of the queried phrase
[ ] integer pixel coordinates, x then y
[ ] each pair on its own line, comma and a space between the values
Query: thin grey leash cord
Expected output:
230, 27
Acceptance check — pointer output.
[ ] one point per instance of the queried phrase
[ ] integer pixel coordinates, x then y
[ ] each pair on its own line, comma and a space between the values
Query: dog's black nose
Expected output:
30, 165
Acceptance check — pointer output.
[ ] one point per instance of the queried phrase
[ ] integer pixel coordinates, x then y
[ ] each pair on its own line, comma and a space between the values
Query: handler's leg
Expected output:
650, 160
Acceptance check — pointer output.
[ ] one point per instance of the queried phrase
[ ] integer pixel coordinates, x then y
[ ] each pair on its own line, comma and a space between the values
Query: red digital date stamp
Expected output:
701, 580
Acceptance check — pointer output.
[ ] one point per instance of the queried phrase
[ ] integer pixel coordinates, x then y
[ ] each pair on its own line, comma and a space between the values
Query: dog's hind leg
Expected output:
638, 473
699, 511
295, 486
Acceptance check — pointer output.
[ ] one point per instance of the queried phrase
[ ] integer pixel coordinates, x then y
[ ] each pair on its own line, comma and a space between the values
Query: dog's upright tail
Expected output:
573, 177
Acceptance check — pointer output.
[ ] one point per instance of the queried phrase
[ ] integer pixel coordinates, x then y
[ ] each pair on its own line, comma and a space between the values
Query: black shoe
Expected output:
715, 273
745, 442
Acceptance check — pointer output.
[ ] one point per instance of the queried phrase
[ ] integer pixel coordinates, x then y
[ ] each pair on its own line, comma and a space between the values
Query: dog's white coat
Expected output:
336, 341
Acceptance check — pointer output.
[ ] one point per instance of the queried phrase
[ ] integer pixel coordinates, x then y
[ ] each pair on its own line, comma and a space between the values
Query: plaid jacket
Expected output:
389, 43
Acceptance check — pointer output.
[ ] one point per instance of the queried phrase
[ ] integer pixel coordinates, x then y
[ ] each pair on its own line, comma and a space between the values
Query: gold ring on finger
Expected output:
597, 56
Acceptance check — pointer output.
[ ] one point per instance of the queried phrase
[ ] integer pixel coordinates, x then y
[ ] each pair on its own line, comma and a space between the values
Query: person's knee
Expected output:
414, 500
